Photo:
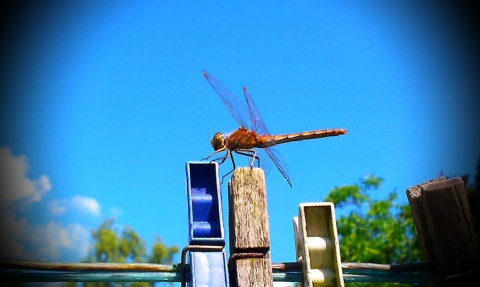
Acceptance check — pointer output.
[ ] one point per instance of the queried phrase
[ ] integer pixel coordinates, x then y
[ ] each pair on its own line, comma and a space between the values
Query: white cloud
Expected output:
115, 212
87, 204
79, 203
48, 242
20, 238
14, 184
80, 235
57, 207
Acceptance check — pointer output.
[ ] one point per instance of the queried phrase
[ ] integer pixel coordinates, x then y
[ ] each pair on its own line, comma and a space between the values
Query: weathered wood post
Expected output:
445, 227
250, 263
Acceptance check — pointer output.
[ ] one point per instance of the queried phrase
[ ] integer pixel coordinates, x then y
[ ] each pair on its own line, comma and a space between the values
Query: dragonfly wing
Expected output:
255, 118
265, 162
259, 126
235, 105
279, 162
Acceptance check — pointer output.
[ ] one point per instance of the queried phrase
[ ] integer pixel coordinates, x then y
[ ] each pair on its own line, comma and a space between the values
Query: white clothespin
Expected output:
317, 246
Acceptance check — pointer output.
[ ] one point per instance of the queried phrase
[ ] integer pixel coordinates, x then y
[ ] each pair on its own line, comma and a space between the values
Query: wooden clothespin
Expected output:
250, 263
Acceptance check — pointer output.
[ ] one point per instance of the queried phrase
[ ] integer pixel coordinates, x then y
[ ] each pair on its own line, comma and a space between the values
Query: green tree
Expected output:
161, 254
112, 246
119, 248
374, 231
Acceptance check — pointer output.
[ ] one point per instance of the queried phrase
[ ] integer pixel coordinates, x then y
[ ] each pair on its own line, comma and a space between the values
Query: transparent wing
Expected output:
235, 105
279, 162
265, 161
255, 118
259, 126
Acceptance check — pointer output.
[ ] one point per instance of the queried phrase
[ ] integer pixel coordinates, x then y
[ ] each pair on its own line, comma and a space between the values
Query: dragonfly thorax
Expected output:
218, 141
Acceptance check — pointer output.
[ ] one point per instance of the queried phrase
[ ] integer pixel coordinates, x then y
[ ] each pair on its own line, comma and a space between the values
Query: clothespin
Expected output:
206, 239
317, 246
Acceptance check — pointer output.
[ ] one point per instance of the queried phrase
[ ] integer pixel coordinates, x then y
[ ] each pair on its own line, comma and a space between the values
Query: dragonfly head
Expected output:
218, 141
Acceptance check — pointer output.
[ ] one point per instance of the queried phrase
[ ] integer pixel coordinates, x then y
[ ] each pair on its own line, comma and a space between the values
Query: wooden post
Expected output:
444, 223
250, 263
414, 195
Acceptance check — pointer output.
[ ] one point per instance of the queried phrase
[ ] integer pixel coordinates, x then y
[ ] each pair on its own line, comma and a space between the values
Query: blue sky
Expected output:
106, 103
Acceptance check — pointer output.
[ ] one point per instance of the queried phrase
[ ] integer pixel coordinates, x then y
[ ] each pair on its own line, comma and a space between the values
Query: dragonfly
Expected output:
253, 136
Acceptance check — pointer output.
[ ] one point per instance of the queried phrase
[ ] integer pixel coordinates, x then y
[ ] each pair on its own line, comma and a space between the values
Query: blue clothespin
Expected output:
317, 246
206, 237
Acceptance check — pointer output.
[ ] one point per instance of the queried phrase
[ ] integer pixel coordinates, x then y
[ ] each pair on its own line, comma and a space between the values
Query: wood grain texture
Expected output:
252, 272
443, 215
414, 195
248, 211
250, 263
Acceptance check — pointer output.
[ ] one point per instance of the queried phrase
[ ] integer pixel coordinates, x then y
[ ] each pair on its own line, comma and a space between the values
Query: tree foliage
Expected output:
382, 231
119, 248
374, 231
113, 246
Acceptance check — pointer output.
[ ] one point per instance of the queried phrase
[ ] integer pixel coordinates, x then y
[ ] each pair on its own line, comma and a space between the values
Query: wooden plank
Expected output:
251, 271
248, 210
414, 196
250, 263
452, 243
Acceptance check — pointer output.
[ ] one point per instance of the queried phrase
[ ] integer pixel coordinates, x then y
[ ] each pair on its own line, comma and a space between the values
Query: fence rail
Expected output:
440, 209
37, 271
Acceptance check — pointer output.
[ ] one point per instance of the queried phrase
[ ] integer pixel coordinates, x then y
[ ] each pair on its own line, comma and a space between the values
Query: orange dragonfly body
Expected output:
245, 141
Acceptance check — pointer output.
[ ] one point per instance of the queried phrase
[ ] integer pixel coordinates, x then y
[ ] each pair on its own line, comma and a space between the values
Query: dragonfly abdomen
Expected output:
279, 139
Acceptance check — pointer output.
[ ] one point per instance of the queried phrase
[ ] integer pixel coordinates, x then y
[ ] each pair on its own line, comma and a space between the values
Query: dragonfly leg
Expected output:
223, 158
251, 153
233, 164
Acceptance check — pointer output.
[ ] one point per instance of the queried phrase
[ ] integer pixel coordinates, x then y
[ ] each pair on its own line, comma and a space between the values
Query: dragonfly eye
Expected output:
218, 141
